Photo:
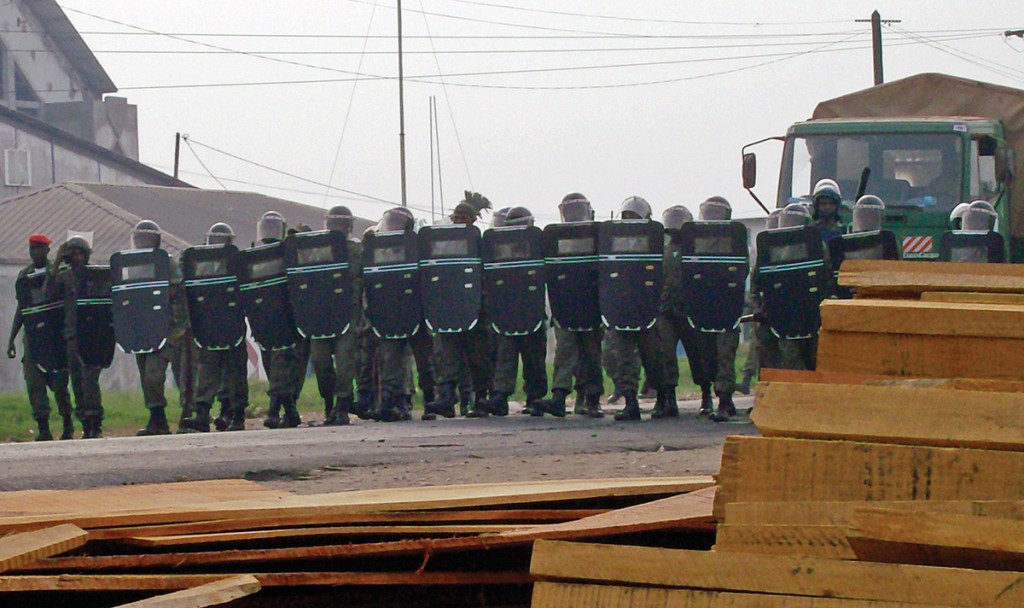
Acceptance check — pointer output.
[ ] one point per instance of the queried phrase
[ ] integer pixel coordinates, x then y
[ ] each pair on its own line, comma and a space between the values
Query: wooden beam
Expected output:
915, 277
923, 318
775, 574
210, 594
962, 541
823, 513
973, 297
795, 540
19, 550
761, 469
174, 582
187, 540
678, 513
891, 414
920, 356
572, 595
819, 377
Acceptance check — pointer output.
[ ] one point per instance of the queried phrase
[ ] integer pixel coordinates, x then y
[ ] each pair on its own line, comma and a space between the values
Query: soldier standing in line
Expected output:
338, 354
222, 355
36, 380
69, 280
825, 204
764, 347
462, 359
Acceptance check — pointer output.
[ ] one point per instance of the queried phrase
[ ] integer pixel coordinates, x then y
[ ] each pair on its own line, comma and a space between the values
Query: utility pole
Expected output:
1011, 33
876, 41
177, 153
401, 105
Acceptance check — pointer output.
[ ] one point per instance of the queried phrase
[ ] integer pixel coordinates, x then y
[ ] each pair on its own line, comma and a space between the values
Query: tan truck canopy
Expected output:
936, 95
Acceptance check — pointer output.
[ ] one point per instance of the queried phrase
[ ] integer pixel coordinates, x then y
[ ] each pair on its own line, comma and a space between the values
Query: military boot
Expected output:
363, 407
237, 418
465, 403
631, 412
199, 424
428, 394
273, 419
291, 418
497, 404
444, 405
44, 433
329, 408
92, 428
726, 409
555, 406
666, 407
223, 420
390, 408
69, 427
157, 424
476, 409
614, 397
592, 407
339, 413
707, 402
580, 407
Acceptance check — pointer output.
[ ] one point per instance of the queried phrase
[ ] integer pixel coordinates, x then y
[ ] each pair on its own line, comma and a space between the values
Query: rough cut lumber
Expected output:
914, 277
174, 582
760, 469
399, 499
973, 297
210, 594
573, 595
685, 512
891, 414
824, 513
923, 318
18, 550
143, 496
184, 540
798, 540
819, 377
963, 541
775, 574
920, 356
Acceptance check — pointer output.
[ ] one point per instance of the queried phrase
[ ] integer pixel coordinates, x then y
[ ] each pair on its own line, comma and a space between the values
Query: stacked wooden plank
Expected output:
892, 477
219, 541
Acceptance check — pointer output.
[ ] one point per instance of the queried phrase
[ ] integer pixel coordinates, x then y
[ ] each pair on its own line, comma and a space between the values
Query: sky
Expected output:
299, 99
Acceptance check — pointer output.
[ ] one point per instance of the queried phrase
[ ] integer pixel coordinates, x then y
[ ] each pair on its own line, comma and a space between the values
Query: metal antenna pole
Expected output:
430, 108
401, 105
437, 142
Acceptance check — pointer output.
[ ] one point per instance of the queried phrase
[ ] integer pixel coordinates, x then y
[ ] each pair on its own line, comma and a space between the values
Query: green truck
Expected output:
923, 144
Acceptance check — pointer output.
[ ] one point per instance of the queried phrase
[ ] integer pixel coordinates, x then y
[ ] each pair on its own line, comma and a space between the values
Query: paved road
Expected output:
129, 460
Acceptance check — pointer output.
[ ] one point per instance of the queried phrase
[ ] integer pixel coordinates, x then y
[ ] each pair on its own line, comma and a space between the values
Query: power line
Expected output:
201, 163
975, 60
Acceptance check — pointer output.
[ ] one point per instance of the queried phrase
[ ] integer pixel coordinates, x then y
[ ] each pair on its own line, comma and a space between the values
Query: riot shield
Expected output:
263, 290
391, 284
43, 321
514, 279
877, 245
630, 263
570, 268
793, 280
451, 286
970, 246
95, 322
319, 282
714, 260
211, 288
140, 287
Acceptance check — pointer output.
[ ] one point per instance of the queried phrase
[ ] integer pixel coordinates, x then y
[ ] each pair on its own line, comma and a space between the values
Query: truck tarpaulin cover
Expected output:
939, 95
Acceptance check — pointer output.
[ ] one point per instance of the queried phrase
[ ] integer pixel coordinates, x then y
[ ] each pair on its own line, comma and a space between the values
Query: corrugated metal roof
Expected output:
110, 211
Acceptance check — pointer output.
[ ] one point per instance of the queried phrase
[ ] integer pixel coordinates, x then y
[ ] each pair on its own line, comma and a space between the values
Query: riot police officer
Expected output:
976, 241
38, 381
826, 201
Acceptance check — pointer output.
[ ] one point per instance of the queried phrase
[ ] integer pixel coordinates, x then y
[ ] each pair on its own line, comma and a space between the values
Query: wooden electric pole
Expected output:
401, 105
876, 42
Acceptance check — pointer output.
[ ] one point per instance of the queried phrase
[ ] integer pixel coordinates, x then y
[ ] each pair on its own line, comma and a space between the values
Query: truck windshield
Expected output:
908, 170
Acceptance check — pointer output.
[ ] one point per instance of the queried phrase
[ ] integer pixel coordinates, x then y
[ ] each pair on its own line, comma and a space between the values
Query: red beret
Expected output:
39, 239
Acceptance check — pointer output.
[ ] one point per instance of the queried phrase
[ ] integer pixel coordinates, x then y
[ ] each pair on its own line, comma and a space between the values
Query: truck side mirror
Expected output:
749, 170
1006, 165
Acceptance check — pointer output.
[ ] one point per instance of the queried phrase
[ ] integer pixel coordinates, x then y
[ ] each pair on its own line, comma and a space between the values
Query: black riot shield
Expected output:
793, 280
211, 288
95, 322
319, 283
570, 260
514, 279
140, 287
715, 260
43, 321
391, 284
630, 273
451, 284
970, 246
263, 289
877, 245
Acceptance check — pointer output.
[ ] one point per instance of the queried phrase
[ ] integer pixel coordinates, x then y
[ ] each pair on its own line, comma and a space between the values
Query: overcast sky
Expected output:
535, 98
